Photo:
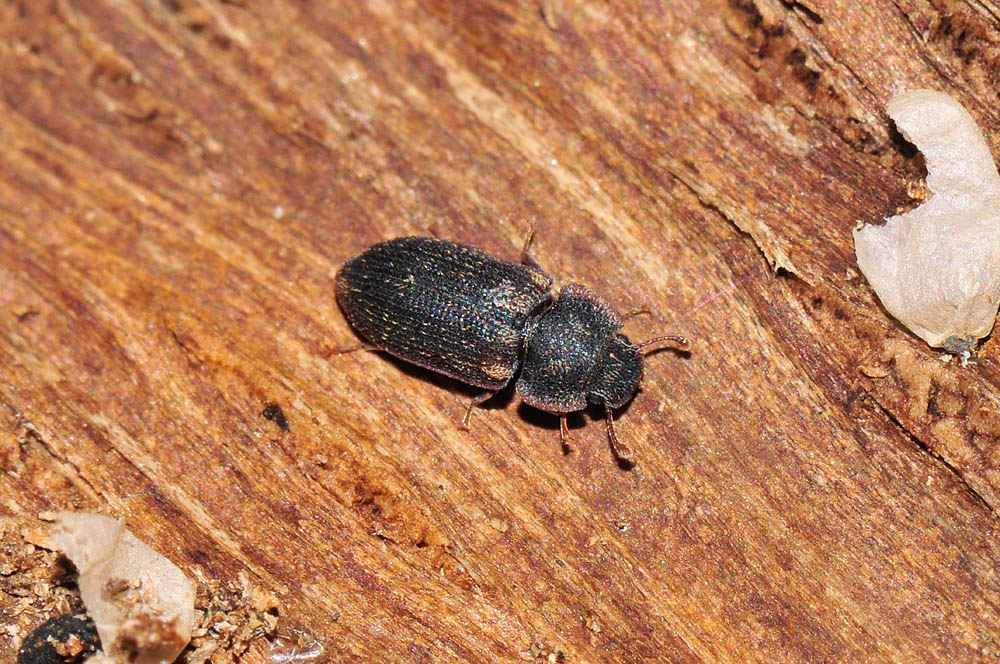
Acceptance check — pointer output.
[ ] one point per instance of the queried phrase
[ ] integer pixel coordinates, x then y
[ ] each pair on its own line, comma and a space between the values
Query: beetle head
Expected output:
616, 374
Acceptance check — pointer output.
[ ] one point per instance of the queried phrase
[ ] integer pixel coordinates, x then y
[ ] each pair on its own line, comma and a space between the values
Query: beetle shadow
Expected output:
499, 400
680, 352
576, 421
549, 422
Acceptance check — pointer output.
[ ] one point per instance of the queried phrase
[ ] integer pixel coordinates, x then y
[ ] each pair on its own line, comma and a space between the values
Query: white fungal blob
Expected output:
937, 268
141, 603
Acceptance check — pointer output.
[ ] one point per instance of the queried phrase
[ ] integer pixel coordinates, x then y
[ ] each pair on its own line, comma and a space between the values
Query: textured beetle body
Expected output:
574, 356
446, 307
457, 311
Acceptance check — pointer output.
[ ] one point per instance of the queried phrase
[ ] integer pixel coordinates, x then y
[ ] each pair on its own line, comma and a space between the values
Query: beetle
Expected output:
64, 639
458, 311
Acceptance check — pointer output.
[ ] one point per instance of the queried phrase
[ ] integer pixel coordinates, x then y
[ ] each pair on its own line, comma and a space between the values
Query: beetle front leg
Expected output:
528, 237
620, 449
526, 258
564, 435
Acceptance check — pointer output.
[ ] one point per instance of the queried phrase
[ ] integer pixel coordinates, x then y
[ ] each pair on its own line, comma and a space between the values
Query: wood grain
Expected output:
181, 179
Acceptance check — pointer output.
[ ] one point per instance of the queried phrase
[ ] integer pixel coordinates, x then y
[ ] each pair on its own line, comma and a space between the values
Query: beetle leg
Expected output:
525, 258
644, 309
621, 450
564, 438
476, 400
343, 350
679, 342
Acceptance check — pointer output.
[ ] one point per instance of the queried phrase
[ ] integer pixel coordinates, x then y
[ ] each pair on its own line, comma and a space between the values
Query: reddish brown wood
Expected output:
180, 181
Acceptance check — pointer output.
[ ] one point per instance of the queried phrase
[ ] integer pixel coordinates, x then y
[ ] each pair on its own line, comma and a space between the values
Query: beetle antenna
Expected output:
621, 450
679, 342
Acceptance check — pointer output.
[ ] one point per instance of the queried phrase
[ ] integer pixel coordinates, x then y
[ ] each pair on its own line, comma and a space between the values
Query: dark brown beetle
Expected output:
456, 310
66, 639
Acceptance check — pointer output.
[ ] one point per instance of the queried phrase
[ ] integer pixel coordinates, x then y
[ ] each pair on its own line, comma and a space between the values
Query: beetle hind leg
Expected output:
475, 401
343, 350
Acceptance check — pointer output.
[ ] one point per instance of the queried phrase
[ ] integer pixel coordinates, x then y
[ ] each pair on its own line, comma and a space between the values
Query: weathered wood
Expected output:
180, 181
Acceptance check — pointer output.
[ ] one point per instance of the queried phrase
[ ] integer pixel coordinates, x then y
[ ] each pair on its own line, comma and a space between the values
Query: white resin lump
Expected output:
937, 268
141, 603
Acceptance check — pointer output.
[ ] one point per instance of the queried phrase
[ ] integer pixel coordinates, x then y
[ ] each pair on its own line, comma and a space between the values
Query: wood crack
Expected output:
924, 447
26, 430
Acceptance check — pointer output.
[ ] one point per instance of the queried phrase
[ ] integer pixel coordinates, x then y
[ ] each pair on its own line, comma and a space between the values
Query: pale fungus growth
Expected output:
937, 268
141, 603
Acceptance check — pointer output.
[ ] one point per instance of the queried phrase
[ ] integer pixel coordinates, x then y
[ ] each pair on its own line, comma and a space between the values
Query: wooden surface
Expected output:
180, 180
